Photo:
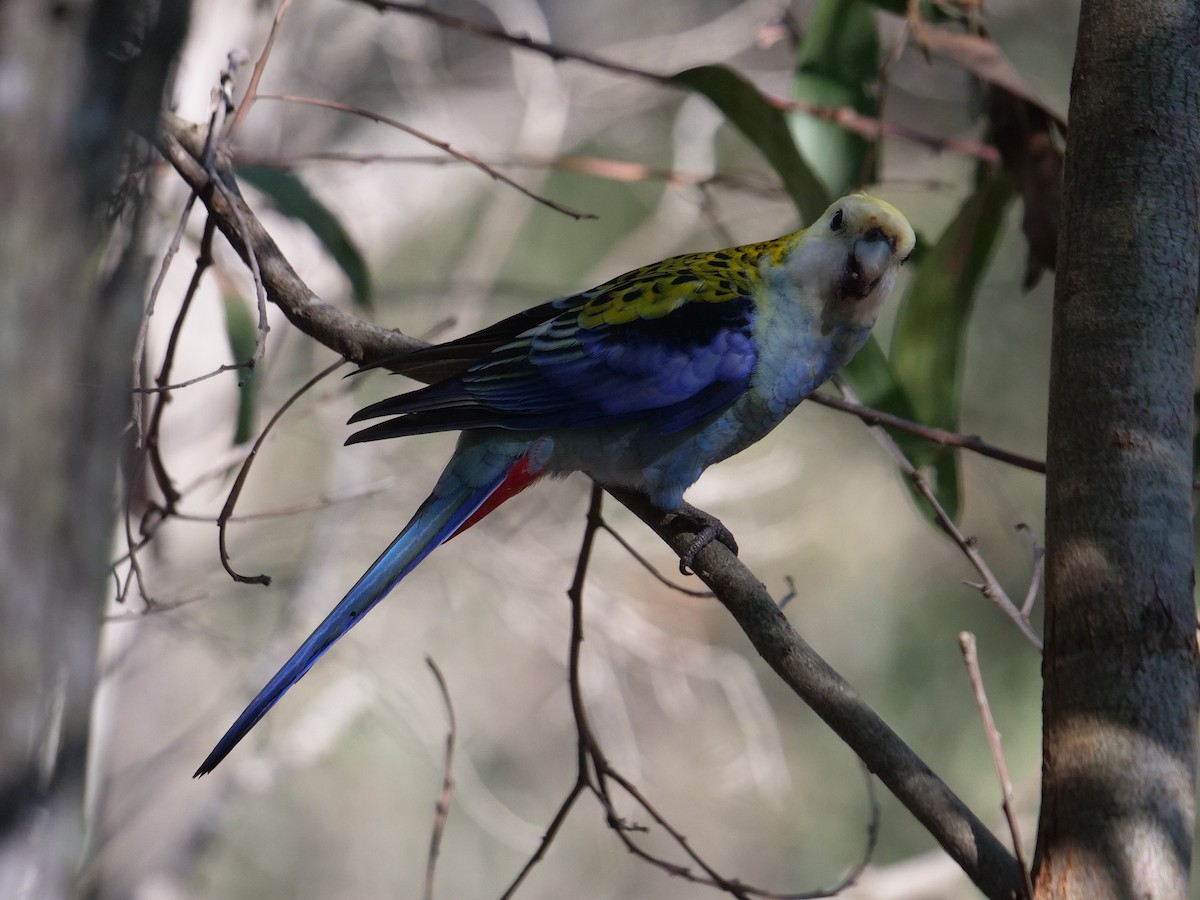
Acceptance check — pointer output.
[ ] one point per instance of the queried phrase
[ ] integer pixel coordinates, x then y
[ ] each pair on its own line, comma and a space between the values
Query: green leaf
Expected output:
931, 324
836, 65
241, 328
295, 200
765, 126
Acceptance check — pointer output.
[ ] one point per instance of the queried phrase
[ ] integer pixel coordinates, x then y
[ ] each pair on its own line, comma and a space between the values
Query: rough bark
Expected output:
1120, 665
73, 77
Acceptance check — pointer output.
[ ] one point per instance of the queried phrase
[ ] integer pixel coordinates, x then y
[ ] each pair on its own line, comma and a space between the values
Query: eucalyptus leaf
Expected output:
836, 66
931, 324
765, 126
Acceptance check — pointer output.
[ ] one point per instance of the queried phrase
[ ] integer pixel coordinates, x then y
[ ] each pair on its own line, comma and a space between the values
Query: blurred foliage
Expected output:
837, 66
765, 127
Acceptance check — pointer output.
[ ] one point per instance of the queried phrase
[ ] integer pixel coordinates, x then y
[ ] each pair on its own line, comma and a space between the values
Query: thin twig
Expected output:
966, 641
174, 386
556, 823
1035, 577
147, 443
431, 140
240, 481
132, 546
589, 752
791, 592
204, 259
625, 833
139, 347
156, 516
479, 29
938, 436
846, 117
621, 170
260, 66
152, 607
649, 566
582, 782
443, 805
990, 587
320, 501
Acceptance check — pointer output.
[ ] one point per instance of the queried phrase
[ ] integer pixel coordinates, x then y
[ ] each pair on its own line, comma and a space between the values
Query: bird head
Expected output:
852, 253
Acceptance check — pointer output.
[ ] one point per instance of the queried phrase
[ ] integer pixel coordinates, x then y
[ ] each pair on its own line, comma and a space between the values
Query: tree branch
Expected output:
966, 839
182, 143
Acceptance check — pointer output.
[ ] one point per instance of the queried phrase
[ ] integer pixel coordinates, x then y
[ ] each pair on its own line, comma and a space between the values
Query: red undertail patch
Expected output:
518, 478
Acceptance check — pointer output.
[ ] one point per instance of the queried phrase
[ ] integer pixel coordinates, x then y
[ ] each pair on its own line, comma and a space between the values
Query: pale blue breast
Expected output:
785, 378
795, 358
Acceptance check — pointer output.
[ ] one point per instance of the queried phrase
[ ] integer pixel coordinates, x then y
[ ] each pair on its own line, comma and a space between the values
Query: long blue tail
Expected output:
465, 487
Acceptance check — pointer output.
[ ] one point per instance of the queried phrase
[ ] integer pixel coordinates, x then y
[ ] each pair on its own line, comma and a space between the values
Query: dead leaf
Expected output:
1023, 133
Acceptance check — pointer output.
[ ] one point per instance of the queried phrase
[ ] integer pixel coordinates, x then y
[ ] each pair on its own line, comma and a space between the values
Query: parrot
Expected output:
640, 383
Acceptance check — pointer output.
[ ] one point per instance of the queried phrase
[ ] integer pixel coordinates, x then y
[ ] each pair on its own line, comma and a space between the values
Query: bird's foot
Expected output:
710, 529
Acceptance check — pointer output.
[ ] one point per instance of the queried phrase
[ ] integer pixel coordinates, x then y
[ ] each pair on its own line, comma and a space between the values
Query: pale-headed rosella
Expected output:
642, 383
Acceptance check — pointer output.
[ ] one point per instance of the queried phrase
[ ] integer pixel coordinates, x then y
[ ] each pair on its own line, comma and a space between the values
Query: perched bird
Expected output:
642, 382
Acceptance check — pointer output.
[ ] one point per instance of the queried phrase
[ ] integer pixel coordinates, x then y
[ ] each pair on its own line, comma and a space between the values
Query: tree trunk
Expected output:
73, 78
1120, 668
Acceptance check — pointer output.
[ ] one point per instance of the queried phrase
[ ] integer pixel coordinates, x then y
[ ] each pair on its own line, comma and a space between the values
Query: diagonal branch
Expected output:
967, 840
182, 143
445, 147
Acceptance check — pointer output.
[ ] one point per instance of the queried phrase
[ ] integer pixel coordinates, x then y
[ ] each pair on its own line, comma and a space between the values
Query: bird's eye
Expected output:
837, 221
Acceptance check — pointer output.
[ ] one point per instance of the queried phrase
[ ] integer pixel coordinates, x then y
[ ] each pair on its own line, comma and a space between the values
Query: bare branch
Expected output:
139, 350
260, 66
319, 501
990, 587
431, 140
1035, 577
967, 840
443, 804
355, 340
649, 566
966, 642
934, 435
239, 482
594, 772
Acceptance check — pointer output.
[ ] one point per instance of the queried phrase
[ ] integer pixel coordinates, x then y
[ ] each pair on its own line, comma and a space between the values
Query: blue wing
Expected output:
663, 346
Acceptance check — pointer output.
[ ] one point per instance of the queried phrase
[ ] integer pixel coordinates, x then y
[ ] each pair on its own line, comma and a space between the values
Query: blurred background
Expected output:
334, 792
